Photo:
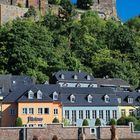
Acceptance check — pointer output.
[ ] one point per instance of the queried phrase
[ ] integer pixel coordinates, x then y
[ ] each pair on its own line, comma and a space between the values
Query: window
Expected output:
130, 100
26, 3
72, 98
62, 76
119, 100
75, 77
31, 125
73, 116
30, 95
98, 1
31, 110
107, 99
101, 115
131, 112
87, 114
92, 131
88, 77
39, 95
114, 114
24, 111
67, 114
55, 111
123, 113
11, 2
90, 98
94, 114
81, 116
55, 96
107, 115
40, 110
46, 110
40, 125
12, 112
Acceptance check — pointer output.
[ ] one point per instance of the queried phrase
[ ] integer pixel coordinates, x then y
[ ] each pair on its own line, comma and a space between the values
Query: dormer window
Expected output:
75, 77
30, 95
72, 98
88, 77
119, 100
78, 85
107, 98
55, 96
90, 98
130, 100
62, 76
39, 95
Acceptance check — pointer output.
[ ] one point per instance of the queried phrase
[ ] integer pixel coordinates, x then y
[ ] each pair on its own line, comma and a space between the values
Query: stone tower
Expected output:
105, 8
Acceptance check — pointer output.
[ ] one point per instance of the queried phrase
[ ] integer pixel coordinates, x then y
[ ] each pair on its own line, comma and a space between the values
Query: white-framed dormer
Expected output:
55, 96
130, 100
119, 100
107, 98
30, 94
89, 98
62, 76
72, 98
75, 77
88, 77
39, 94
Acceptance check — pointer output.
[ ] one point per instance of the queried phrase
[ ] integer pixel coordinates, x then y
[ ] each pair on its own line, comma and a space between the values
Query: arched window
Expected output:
75, 77
72, 98
90, 98
88, 77
39, 94
55, 96
30, 94
107, 98
62, 76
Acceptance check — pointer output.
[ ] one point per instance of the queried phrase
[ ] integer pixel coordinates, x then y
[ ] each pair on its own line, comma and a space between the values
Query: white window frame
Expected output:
72, 98
90, 98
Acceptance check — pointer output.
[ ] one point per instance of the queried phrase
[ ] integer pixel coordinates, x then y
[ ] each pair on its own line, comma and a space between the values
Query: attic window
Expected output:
30, 95
75, 77
88, 77
72, 98
39, 94
130, 100
119, 100
107, 99
62, 76
90, 98
55, 96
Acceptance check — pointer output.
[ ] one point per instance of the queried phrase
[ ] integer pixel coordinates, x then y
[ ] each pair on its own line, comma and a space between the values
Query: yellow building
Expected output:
36, 107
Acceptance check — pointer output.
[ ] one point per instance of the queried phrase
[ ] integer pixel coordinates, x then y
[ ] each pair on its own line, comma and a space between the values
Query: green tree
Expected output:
85, 122
56, 2
112, 122
84, 4
19, 122
98, 122
55, 120
31, 12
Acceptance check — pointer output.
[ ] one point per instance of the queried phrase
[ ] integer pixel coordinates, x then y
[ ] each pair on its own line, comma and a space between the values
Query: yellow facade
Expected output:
40, 114
127, 110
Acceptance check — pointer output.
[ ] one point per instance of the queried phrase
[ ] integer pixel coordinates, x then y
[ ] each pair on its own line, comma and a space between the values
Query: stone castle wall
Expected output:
9, 13
105, 7
66, 133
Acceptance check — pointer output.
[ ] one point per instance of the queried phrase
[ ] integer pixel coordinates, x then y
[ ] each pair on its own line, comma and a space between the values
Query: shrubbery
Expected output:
19, 122
112, 122
98, 122
85, 122
55, 120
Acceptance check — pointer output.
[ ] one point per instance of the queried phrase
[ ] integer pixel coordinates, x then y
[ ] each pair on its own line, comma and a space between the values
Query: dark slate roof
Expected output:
69, 76
111, 81
125, 95
81, 96
47, 91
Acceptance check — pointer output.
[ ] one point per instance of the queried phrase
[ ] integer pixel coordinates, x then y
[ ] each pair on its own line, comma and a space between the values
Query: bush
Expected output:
121, 121
112, 122
19, 122
31, 12
131, 119
97, 122
55, 120
85, 122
